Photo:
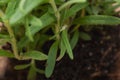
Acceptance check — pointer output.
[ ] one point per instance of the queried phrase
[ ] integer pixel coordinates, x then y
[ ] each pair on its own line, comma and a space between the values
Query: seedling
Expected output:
26, 23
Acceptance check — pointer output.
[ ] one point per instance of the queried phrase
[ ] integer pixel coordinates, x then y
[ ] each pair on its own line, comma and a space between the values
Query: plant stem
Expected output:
57, 14
13, 40
12, 36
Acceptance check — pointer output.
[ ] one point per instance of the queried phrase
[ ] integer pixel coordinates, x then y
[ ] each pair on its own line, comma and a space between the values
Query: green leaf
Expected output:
59, 2
23, 42
3, 36
39, 23
51, 59
75, 8
72, 11
32, 73
36, 23
33, 65
24, 8
44, 20
28, 32
2, 2
70, 2
40, 71
98, 20
62, 50
35, 55
74, 39
85, 36
6, 54
22, 66
11, 7
67, 43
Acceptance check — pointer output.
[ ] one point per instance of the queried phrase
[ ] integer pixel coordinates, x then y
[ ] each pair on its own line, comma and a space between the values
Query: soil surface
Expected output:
97, 59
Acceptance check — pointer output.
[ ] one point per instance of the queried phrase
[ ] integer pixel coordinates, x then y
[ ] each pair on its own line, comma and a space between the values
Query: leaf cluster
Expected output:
29, 24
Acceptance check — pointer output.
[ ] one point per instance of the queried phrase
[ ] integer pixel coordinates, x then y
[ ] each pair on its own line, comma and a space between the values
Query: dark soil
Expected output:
97, 59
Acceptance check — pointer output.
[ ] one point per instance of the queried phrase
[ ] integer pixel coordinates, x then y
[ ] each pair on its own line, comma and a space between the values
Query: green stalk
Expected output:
13, 40
57, 14
12, 36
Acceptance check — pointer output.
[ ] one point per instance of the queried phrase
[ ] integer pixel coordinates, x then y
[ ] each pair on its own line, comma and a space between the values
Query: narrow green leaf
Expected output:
23, 42
85, 36
74, 39
11, 7
70, 2
40, 71
6, 53
59, 2
98, 20
74, 9
31, 74
28, 32
22, 66
67, 43
33, 65
3, 36
24, 8
42, 22
51, 59
36, 23
35, 55
2, 2
62, 50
